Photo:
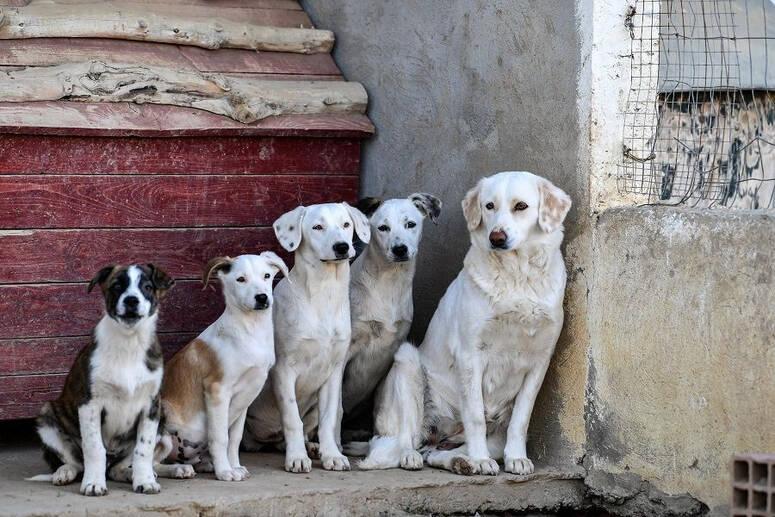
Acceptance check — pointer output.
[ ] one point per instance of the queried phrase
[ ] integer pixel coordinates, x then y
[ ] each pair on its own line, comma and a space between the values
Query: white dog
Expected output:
312, 334
381, 290
473, 381
209, 385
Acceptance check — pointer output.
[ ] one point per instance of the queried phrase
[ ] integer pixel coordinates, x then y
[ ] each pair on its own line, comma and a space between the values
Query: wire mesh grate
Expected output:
699, 122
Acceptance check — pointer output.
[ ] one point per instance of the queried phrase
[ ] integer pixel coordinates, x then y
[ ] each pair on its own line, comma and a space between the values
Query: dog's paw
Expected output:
204, 467
462, 465
336, 462
242, 470
64, 475
146, 487
313, 450
298, 464
93, 489
230, 475
521, 466
411, 460
486, 466
182, 471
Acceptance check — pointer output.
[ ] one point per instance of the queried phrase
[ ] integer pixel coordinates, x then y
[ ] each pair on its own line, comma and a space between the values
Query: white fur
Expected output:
243, 341
312, 334
489, 343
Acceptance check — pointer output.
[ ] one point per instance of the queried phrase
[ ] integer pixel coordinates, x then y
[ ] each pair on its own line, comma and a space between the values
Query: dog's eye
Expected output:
241, 280
520, 206
490, 205
267, 276
318, 227
411, 224
346, 225
384, 228
148, 288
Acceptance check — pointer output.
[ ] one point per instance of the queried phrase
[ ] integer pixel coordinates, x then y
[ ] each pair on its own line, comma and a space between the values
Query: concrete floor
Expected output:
272, 491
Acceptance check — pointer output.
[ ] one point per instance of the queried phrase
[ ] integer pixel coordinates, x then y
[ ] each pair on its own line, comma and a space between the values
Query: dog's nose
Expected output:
400, 251
131, 302
341, 248
261, 298
498, 239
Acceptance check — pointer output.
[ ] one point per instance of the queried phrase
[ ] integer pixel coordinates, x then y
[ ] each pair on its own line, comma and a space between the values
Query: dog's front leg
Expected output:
217, 403
329, 403
284, 383
143, 477
235, 438
94, 459
472, 415
515, 458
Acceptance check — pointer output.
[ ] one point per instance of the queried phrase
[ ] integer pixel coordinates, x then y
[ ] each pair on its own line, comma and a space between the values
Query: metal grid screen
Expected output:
700, 115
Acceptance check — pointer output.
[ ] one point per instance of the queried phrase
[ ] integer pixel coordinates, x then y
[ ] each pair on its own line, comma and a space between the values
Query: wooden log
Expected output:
243, 99
133, 22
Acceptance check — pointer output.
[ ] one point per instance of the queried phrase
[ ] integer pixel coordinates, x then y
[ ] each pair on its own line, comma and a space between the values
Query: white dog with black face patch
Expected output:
381, 291
312, 334
466, 394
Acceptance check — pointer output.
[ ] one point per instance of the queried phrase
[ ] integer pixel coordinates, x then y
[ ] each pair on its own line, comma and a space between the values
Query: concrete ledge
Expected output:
271, 491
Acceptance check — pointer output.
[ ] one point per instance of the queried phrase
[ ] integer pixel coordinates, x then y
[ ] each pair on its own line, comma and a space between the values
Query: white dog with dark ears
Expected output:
381, 290
312, 335
467, 393
210, 383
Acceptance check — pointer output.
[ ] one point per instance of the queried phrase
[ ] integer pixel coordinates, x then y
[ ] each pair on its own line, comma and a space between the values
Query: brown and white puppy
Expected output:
106, 418
209, 385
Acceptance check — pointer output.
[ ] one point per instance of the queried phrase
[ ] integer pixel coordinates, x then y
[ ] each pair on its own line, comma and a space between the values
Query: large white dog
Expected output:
312, 335
466, 394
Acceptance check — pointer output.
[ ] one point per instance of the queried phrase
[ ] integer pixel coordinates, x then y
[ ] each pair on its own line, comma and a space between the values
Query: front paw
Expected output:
485, 466
411, 460
336, 462
521, 466
64, 475
146, 487
93, 488
183, 471
242, 470
298, 463
229, 475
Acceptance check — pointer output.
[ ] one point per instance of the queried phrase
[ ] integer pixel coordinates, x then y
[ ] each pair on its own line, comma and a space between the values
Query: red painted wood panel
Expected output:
46, 310
124, 119
37, 256
56, 354
161, 201
23, 396
38, 154
54, 51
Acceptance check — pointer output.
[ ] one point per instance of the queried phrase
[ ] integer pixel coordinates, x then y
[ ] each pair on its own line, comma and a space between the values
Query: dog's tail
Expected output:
41, 477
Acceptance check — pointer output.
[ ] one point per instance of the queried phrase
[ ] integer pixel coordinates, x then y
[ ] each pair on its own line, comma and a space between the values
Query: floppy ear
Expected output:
360, 222
368, 205
553, 206
160, 279
274, 260
428, 204
472, 210
100, 278
214, 266
287, 228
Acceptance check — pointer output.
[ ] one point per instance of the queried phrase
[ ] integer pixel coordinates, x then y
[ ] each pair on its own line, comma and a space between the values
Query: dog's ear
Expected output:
214, 266
274, 260
287, 228
368, 205
100, 278
553, 206
428, 204
472, 209
160, 279
360, 223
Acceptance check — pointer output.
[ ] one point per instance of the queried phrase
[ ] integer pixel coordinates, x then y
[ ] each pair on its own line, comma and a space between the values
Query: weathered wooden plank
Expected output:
125, 119
213, 4
45, 310
161, 201
56, 354
22, 396
55, 51
37, 256
37, 154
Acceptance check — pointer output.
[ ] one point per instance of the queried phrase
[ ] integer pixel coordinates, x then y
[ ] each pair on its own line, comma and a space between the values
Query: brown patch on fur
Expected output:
215, 265
189, 374
554, 206
461, 465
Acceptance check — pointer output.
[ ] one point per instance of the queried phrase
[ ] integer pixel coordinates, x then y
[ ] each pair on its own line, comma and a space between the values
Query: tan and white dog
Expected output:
210, 383
312, 335
466, 394
381, 291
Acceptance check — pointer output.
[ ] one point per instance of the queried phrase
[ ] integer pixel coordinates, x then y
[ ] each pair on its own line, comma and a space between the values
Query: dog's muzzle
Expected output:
400, 253
499, 239
262, 302
342, 250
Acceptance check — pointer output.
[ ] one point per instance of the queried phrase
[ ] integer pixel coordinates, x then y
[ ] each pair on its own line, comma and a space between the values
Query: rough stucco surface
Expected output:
683, 350
459, 90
